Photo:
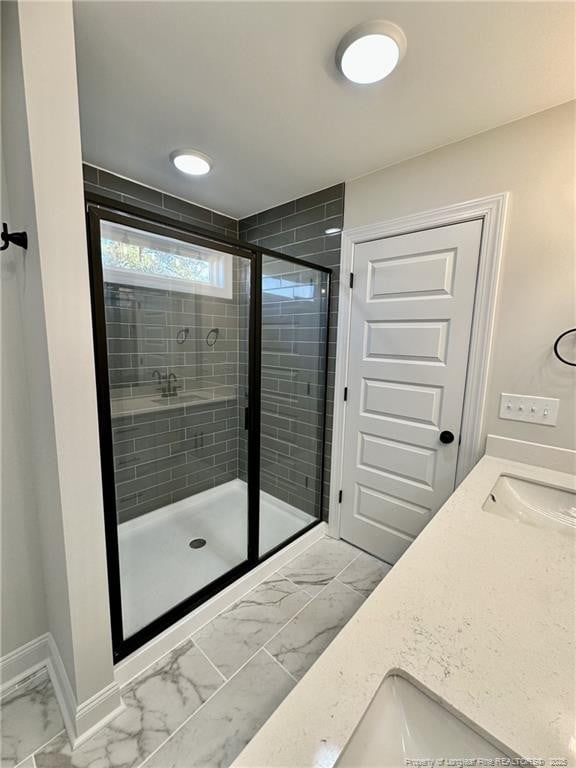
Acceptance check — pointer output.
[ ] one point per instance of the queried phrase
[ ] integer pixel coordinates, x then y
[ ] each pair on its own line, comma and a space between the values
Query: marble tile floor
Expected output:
29, 718
200, 704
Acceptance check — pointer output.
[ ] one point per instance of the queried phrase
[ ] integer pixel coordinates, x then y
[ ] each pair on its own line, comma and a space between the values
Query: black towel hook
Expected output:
16, 238
557, 342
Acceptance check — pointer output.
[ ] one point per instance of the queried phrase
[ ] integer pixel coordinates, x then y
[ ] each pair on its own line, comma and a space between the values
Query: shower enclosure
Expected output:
211, 370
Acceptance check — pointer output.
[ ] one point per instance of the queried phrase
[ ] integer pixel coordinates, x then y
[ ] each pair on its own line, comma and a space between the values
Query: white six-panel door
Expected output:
410, 322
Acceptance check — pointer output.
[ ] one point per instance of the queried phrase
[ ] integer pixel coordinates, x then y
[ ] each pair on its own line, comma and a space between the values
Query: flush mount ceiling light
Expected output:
370, 51
191, 161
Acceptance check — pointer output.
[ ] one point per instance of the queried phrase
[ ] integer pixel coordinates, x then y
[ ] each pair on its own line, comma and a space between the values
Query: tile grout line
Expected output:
222, 687
204, 703
184, 722
332, 577
352, 589
224, 610
243, 595
308, 603
56, 735
28, 757
324, 588
277, 573
282, 667
261, 648
43, 746
341, 571
294, 584
146, 669
209, 660
357, 591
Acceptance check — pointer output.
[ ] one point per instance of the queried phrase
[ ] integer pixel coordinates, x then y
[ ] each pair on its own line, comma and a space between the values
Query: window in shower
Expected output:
211, 386
143, 259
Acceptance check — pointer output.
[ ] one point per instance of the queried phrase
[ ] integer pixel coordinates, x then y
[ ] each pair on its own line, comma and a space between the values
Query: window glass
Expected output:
150, 261
136, 257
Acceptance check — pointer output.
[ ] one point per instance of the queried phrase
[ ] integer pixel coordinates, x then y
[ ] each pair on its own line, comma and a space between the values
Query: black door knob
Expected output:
446, 437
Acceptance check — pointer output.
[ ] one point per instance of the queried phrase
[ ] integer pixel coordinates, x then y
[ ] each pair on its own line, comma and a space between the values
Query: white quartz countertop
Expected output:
480, 612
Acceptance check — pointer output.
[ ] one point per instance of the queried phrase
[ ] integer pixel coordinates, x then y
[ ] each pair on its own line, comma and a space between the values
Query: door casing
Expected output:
492, 210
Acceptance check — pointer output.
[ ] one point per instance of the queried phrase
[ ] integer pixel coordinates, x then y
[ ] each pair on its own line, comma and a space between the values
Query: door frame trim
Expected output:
493, 211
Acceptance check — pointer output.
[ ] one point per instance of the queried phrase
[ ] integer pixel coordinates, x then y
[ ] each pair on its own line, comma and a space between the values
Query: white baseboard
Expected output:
141, 659
96, 712
23, 661
80, 720
538, 454
83, 720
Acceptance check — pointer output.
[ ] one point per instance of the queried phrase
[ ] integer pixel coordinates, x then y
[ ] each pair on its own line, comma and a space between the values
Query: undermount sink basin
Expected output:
534, 504
403, 723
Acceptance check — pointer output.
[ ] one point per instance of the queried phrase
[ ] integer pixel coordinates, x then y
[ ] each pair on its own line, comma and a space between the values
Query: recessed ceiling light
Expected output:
332, 230
370, 51
191, 162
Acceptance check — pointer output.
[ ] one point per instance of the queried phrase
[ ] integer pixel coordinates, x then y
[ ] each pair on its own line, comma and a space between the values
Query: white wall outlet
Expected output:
538, 410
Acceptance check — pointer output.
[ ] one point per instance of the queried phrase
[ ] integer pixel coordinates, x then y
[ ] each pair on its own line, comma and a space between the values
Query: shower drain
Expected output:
197, 543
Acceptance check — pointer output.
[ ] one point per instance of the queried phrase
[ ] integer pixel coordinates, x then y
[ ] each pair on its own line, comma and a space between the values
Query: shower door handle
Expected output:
246, 418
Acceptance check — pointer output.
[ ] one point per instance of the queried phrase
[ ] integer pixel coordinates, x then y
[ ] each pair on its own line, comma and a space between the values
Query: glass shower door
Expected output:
172, 318
295, 304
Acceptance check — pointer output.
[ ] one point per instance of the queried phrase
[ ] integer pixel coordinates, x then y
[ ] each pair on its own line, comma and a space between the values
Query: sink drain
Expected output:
197, 543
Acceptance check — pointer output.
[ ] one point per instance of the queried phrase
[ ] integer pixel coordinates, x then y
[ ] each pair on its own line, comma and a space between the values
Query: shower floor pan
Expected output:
160, 566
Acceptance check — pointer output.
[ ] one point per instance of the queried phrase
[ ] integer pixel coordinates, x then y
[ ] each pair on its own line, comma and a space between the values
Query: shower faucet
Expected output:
171, 389
160, 376
166, 383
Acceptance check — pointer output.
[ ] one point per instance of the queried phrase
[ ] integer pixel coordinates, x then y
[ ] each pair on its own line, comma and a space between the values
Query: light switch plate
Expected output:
538, 410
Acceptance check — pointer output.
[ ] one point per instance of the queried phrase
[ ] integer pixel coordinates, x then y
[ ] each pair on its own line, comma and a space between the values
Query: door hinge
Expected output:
345, 393
339, 497
351, 279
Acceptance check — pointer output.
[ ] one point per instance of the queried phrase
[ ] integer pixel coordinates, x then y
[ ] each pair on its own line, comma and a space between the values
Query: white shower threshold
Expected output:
159, 569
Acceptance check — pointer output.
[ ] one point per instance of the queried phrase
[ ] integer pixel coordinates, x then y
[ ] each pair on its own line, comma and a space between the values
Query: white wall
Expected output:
22, 596
41, 141
534, 160
40, 465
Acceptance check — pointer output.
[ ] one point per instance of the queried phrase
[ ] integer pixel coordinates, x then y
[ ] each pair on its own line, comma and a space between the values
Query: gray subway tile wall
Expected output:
294, 326
116, 187
161, 459
291, 350
164, 455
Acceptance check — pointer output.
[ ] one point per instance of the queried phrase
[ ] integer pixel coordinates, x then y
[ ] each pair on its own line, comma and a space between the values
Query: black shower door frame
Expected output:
99, 208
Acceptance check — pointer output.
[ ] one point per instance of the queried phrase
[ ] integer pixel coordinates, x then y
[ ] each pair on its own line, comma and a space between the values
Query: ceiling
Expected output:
254, 85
